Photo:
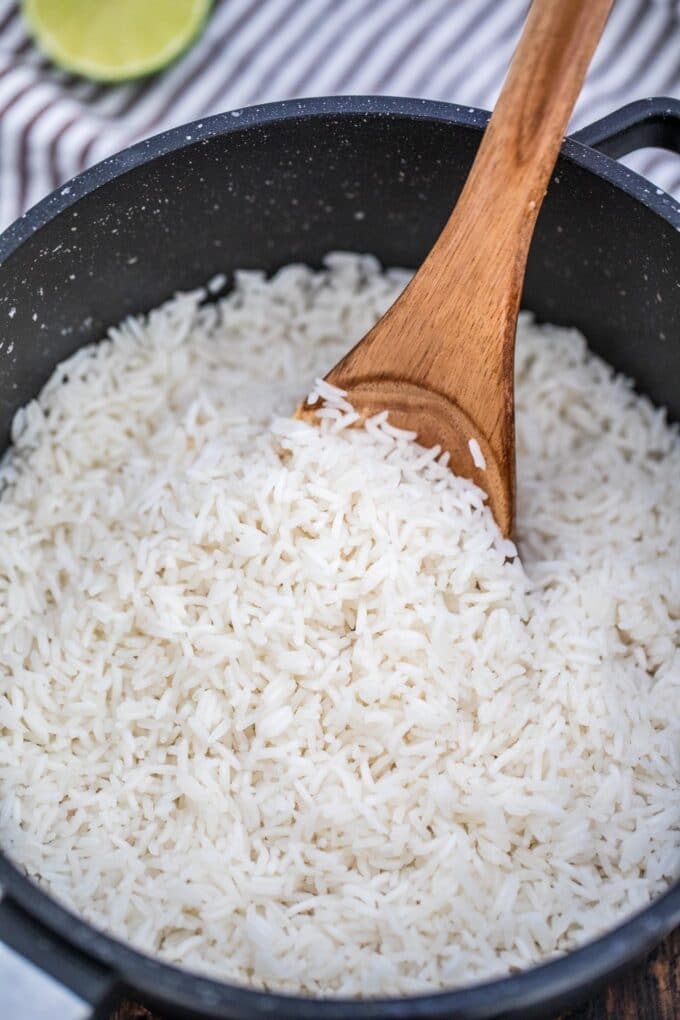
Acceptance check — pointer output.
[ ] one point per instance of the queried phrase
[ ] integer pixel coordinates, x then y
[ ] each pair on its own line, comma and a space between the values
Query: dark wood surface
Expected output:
649, 991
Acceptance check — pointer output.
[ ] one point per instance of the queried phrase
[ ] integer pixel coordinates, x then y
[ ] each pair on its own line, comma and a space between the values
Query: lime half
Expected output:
114, 40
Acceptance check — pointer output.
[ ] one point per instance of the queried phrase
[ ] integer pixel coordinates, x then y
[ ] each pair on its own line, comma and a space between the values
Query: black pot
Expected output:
260, 188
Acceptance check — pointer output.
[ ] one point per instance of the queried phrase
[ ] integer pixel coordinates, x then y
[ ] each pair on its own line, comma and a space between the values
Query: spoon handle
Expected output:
496, 212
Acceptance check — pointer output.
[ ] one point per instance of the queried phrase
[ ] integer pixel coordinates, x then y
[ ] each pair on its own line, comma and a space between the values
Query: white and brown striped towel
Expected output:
53, 125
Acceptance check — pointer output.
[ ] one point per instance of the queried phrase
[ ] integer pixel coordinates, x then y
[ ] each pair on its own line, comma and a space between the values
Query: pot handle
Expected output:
44, 978
647, 123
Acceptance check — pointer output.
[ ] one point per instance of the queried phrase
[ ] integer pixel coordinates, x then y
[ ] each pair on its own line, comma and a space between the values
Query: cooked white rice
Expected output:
275, 704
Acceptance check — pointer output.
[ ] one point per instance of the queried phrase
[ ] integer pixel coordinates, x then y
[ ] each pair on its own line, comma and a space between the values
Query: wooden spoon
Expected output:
441, 360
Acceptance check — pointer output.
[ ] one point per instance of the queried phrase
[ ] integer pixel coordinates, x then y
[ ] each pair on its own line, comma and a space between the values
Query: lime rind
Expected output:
161, 50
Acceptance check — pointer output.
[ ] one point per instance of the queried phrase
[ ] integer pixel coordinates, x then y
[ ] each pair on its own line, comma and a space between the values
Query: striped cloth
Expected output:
53, 125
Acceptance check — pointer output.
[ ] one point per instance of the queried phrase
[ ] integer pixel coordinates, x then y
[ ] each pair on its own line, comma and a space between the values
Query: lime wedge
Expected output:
114, 40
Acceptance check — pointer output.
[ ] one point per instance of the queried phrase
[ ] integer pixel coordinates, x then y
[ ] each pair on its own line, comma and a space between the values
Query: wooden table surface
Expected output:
649, 991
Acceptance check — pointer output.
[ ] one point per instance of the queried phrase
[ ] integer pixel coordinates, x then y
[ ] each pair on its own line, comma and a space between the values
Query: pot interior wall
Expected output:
293, 189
